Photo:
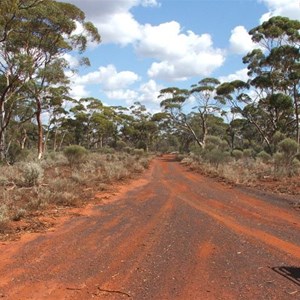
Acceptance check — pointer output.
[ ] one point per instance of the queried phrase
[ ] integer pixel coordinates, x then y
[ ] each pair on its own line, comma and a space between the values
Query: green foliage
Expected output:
264, 156
120, 145
139, 152
288, 147
32, 174
75, 154
216, 156
248, 153
285, 160
237, 154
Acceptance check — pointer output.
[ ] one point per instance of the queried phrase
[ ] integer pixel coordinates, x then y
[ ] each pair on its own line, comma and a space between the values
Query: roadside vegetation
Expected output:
56, 150
69, 179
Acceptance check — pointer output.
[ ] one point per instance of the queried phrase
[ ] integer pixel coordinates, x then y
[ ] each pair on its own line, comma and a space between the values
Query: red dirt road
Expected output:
172, 235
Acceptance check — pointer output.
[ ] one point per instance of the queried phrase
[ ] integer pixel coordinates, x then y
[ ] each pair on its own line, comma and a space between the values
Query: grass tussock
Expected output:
241, 168
62, 179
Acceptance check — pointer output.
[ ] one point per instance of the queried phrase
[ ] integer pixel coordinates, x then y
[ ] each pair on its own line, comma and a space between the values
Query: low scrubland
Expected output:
62, 179
277, 173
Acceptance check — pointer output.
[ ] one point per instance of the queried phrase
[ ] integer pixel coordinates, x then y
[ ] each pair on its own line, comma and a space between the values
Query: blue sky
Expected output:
148, 45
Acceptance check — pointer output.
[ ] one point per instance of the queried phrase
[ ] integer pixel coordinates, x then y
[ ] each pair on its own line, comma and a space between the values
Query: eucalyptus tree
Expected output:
274, 67
173, 103
139, 129
31, 62
206, 103
194, 119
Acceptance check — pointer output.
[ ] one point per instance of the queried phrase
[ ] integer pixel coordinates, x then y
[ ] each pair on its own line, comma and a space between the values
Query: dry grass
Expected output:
32, 186
248, 171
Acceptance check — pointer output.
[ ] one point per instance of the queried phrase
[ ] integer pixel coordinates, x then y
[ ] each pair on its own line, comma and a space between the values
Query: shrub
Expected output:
32, 174
248, 153
237, 154
288, 147
138, 152
20, 213
3, 214
120, 145
264, 156
217, 157
75, 154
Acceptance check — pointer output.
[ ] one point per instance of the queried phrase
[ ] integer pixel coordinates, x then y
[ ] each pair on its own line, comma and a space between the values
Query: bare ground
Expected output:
172, 234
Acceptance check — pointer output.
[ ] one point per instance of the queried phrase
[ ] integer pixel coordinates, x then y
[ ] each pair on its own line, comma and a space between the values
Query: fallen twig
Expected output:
73, 289
113, 291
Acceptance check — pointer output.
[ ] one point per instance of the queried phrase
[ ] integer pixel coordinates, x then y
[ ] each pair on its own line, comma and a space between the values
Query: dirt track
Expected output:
172, 235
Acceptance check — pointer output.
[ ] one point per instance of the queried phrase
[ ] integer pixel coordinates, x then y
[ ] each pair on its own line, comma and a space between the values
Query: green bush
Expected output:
288, 147
285, 161
120, 145
264, 156
237, 154
248, 153
32, 174
217, 156
138, 152
75, 154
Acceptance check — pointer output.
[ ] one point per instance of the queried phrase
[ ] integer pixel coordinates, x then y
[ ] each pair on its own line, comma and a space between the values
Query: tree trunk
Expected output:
61, 142
2, 145
2, 132
24, 139
199, 142
40, 129
55, 140
263, 135
297, 116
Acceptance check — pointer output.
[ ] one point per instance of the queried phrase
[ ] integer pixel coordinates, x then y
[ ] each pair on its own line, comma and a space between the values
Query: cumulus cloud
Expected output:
78, 91
286, 8
238, 75
127, 95
150, 3
240, 41
71, 60
114, 19
109, 78
116, 86
149, 91
146, 93
193, 64
179, 55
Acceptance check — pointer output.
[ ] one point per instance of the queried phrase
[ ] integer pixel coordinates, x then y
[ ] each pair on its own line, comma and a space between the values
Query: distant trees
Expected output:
263, 109
232, 117
196, 121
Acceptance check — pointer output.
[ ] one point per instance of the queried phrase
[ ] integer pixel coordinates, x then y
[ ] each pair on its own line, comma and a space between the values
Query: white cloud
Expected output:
192, 64
150, 3
129, 96
78, 91
72, 60
109, 78
113, 19
121, 28
286, 8
179, 55
238, 75
240, 41
147, 93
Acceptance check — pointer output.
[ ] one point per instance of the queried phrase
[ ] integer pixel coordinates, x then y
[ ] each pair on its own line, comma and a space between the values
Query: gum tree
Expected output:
31, 55
274, 68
